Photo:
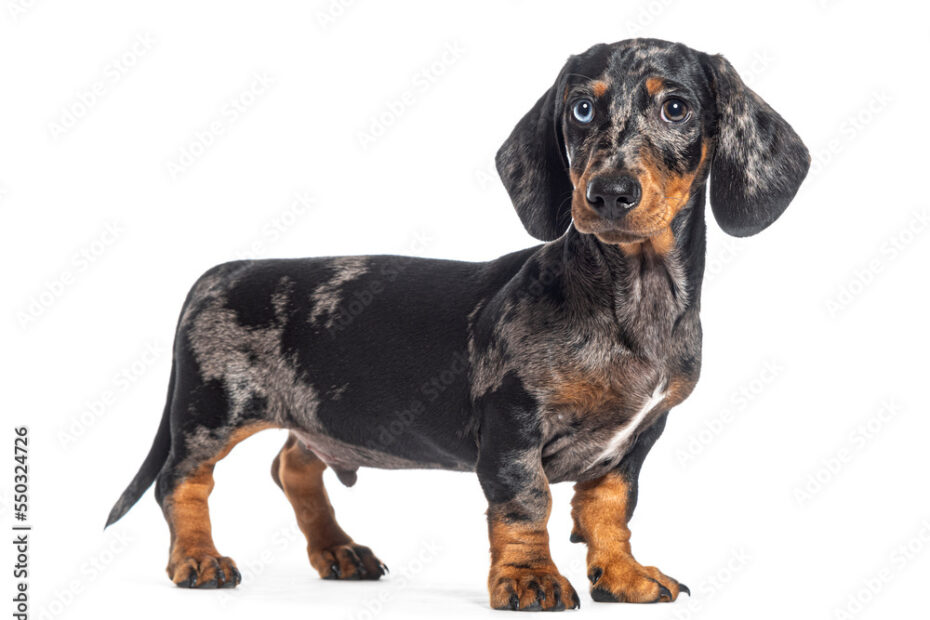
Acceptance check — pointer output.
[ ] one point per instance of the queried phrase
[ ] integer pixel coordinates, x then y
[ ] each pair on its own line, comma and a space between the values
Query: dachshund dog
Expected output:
554, 363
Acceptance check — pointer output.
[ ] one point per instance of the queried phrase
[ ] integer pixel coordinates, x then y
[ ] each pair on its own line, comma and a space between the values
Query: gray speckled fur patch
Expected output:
250, 364
327, 297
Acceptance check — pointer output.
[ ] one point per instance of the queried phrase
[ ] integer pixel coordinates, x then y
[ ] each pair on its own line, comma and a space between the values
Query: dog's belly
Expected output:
345, 458
391, 428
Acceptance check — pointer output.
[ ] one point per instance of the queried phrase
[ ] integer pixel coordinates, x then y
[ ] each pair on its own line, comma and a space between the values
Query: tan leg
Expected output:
332, 552
523, 575
600, 512
193, 560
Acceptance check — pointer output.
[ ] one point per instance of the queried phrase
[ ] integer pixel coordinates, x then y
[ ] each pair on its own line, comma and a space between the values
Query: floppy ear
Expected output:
533, 167
759, 161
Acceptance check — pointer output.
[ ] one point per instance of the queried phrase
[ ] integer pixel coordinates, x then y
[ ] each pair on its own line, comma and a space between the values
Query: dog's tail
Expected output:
153, 463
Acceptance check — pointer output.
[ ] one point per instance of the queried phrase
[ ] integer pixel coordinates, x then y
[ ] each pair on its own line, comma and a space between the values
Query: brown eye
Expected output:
675, 111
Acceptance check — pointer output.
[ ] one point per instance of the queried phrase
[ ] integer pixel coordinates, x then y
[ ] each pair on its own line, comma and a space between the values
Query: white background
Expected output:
792, 482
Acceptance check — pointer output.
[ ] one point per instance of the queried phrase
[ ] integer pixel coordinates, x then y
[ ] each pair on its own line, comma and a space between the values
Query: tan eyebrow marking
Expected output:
654, 85
599, 88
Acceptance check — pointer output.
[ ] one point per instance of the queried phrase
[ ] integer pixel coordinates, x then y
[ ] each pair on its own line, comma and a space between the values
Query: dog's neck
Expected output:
647, 290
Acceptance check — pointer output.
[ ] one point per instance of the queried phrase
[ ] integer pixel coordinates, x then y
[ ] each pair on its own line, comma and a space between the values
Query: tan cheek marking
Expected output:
663, 242
654, 85
678, 188
651, 212
664, 195
599, 88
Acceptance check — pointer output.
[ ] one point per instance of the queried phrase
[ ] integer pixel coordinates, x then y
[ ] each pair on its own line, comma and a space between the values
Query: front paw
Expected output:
624, 580
522, 588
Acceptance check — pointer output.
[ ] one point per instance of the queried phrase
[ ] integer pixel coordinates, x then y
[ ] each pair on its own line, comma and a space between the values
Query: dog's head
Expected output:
630, 131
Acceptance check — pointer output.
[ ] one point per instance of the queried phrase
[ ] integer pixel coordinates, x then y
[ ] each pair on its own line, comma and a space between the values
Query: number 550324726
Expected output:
21, 473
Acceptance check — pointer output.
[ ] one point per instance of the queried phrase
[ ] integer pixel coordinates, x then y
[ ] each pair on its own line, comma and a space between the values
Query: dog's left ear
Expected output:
534, 169
759, 161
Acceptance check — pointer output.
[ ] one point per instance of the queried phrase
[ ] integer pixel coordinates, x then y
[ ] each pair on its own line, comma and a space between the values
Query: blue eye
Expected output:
583, 110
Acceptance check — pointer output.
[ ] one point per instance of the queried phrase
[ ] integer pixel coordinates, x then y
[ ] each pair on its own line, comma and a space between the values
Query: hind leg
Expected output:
332, 552
182, 490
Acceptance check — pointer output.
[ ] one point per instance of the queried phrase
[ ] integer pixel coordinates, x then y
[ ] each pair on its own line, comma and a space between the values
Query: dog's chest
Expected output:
601, 396
602, 362
592, 420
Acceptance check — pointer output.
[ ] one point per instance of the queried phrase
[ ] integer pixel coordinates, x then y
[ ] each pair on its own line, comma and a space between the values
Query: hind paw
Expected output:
349, 561
204, 571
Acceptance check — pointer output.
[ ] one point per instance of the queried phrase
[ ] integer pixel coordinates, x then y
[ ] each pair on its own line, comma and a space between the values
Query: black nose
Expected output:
612, 195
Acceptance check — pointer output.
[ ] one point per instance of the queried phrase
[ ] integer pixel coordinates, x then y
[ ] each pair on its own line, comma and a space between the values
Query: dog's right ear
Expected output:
533, 166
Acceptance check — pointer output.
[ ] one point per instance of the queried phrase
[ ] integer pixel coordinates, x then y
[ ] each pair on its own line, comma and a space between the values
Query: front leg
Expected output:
523, 576
601, 509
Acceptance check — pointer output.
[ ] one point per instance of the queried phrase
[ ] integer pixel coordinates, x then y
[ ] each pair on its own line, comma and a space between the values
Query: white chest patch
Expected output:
622, 437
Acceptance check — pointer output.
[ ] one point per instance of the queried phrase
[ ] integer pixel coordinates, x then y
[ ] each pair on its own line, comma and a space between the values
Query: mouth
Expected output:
621, 236
638, 225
